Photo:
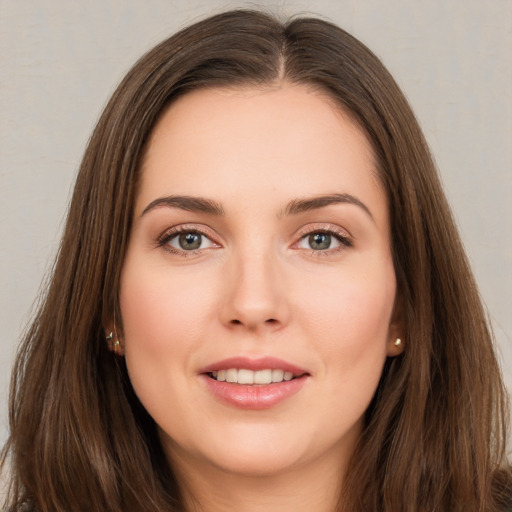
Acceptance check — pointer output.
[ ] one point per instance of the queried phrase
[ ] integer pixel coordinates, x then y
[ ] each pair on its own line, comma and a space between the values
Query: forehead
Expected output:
232, 141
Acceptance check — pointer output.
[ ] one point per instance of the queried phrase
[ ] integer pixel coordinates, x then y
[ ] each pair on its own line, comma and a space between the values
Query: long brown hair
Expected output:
435, 430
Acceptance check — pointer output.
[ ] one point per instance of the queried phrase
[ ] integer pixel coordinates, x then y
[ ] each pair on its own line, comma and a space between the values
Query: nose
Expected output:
255, 295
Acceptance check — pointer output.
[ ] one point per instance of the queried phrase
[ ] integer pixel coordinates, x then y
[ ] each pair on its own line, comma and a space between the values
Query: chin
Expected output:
241, 451
244, 461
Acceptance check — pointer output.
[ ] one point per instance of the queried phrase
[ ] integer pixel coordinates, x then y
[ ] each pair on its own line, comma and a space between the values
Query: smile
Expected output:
250, 377
246, 383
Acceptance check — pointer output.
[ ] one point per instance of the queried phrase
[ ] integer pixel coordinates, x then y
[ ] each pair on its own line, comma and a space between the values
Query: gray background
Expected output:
61, 59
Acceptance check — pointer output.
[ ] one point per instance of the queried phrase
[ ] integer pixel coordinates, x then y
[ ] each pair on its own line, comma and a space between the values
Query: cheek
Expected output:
162, 317
349, 320
162, 314
161, 308
351, 307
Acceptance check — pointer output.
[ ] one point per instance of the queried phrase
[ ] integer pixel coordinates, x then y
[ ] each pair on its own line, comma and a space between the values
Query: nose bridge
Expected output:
256, 295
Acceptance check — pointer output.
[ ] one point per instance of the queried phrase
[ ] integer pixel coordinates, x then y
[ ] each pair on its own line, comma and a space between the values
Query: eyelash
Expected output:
340, 235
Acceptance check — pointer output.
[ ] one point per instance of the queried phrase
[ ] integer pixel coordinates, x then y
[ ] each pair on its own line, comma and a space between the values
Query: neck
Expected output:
211, 489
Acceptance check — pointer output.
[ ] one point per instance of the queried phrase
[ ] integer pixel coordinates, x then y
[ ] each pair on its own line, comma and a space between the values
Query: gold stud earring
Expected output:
113, 345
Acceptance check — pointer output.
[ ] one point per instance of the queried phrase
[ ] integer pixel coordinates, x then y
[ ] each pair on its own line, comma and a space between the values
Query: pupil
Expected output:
190, 241
320, 241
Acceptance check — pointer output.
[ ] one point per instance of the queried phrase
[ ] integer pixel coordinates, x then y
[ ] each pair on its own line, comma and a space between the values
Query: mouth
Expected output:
247, 383
248, 377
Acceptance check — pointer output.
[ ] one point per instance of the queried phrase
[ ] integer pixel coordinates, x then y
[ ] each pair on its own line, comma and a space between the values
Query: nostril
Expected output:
268, 321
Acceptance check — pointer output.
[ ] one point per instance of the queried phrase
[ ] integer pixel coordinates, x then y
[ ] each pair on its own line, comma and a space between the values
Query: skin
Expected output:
256, 287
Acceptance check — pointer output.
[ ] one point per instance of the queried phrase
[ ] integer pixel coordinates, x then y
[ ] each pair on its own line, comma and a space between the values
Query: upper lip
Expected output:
254, 364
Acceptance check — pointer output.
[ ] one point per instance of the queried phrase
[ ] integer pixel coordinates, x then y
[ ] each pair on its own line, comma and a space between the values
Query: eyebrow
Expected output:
188, 203
312, 203
294, 207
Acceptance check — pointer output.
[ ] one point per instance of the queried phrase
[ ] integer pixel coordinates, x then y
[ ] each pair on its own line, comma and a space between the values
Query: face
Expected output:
258, 289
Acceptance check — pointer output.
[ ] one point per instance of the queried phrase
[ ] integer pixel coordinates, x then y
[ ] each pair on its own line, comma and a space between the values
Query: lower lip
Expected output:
254, 397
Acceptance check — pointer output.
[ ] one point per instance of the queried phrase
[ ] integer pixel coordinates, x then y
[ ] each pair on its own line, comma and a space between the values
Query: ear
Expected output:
396, 331
112, 339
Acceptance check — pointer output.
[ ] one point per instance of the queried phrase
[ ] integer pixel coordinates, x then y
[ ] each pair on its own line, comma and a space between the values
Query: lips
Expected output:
253, 383
247, 363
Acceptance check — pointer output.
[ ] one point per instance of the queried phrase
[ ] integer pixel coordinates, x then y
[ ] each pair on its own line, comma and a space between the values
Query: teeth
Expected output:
245, 377
249, 377
263, 377
277, 375
232, 375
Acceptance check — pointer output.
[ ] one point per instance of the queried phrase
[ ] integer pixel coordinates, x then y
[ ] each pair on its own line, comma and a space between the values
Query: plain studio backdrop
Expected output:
61, 59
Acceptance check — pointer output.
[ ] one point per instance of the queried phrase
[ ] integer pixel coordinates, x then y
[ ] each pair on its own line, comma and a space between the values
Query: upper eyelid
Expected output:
323, 227
180, 228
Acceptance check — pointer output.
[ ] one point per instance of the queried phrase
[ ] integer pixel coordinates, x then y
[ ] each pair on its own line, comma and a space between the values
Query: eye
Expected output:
187, 241
324, 241
183, 240
319, 241
190, 241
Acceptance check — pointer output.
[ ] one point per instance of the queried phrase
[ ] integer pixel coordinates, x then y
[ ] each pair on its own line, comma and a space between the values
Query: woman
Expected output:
260, 301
